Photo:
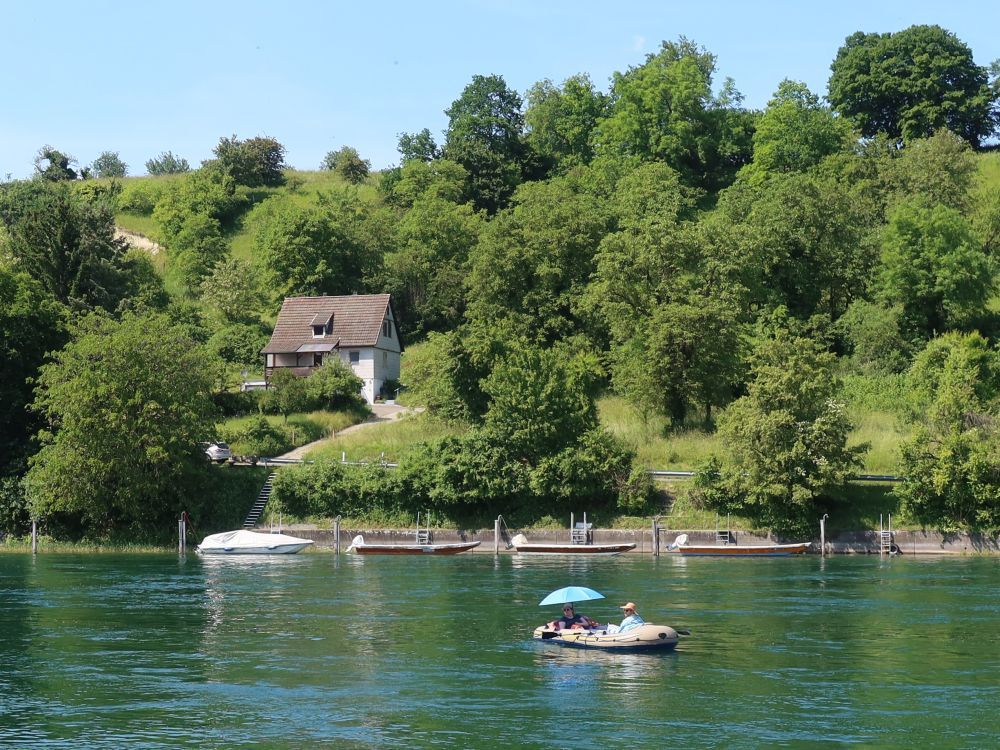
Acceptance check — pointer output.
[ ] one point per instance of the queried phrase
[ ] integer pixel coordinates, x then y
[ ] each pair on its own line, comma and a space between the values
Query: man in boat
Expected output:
572, 621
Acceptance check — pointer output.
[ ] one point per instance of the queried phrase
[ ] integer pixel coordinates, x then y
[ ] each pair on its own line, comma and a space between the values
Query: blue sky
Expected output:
140, 78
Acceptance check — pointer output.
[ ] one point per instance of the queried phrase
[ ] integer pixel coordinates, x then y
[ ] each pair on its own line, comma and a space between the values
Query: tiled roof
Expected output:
357, 321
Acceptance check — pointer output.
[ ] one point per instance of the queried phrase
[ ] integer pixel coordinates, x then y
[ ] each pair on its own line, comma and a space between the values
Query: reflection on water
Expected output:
619, 672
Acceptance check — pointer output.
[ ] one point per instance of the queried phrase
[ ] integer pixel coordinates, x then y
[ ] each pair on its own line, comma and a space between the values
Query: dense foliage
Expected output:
125, 404
720, 269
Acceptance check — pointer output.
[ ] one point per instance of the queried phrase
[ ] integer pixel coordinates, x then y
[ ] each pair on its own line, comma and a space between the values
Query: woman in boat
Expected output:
632, 619
571, 620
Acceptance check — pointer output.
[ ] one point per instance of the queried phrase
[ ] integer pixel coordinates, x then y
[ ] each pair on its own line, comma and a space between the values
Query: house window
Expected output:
354, 357
387, 328
319, 332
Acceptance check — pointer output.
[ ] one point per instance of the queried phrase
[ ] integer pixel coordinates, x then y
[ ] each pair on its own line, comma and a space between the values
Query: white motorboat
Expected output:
245, 542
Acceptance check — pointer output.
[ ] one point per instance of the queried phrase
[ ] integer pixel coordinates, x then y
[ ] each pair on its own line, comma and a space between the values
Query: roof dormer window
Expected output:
322, 325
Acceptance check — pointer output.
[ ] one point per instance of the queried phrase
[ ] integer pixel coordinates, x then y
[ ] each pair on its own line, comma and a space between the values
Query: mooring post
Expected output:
34, 536
655, 545
496, 536
336, 535
822, 534
182, 534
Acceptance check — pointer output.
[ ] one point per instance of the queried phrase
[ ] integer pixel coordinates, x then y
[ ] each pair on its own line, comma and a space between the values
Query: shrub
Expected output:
333, 386
141, 196
258, 437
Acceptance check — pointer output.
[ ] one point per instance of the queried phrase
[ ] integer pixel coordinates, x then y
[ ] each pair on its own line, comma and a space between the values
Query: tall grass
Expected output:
389, 441
650, 436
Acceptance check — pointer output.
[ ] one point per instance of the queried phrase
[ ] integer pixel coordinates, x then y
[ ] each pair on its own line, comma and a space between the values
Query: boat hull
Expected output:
359, 547
646, 637
750, 550
245, 542
572, 549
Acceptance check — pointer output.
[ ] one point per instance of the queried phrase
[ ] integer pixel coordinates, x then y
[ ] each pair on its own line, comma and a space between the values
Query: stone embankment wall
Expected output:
856, 542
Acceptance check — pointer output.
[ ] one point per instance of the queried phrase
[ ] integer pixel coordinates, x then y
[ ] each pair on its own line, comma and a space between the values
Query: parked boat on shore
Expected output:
581, 542
680, 545
523, 547
360, 547
245, 542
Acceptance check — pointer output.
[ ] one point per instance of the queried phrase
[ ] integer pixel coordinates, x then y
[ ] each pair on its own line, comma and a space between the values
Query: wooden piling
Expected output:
336, 535
34, 536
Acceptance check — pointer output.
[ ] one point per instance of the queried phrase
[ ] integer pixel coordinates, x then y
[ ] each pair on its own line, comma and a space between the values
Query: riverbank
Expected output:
852, 542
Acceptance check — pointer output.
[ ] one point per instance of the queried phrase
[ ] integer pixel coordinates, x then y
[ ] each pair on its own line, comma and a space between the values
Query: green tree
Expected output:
126, 404
533, 261
167, 163
195, 249
795, 133
663, 110
32, 323
66, 242
233, 291
418, 147
238, 345
426, 273
434, 179
255, 162
910, 83
208, 191
873, 338
287, 392
687, 353
797, 240
952, 462
541, 401
311, 249
934, 268
674, 335
53, 165
347, 163
109, 164
787, 437
941, 169
484, 132
561, 120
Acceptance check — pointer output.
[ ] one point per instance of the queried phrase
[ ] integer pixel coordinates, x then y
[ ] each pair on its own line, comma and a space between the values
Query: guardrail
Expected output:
654, 473
663, 474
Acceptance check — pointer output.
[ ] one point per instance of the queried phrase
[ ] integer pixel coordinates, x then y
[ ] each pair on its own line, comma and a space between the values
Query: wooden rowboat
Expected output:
523, 547
681, 546
358, 546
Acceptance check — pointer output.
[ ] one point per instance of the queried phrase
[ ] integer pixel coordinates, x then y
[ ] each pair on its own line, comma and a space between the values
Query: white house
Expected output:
360, 329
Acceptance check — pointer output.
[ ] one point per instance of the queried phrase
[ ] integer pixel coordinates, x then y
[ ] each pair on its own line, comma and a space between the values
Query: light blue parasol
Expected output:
570, 594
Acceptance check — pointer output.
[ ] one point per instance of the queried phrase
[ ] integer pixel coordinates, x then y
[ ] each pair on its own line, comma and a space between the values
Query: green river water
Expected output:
311, 650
